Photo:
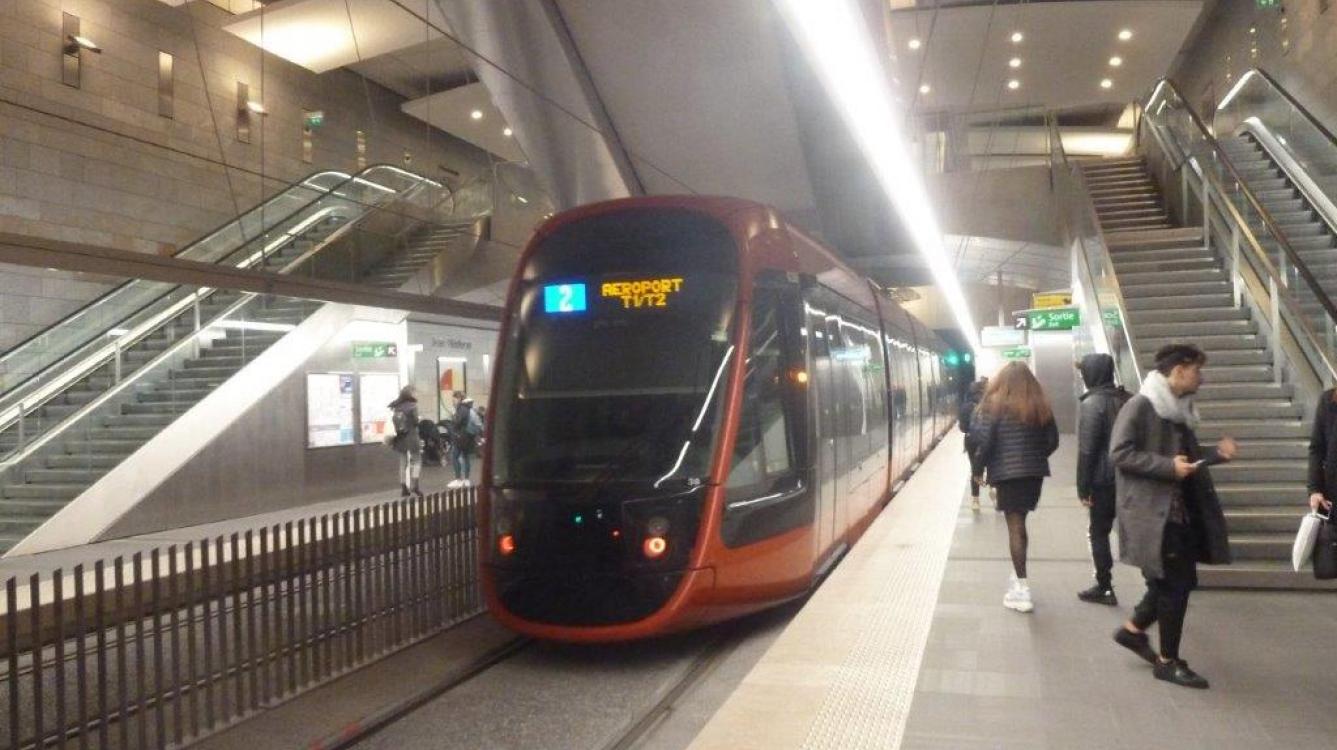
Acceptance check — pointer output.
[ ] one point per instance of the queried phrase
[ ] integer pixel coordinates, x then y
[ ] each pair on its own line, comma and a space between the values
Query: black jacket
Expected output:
1099, 407
1323, 448
1009, 449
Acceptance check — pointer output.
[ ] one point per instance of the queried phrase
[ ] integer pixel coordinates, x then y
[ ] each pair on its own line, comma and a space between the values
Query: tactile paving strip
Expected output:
872, 691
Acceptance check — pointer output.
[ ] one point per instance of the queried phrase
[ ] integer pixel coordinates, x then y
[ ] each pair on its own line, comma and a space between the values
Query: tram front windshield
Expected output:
616, 358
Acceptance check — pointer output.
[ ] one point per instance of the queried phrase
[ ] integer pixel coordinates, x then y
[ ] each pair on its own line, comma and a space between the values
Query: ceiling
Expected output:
962, 62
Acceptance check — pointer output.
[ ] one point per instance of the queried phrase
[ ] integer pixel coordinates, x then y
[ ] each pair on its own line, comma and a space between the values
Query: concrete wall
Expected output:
30, 295
98, 164
1298, 47
1010, 204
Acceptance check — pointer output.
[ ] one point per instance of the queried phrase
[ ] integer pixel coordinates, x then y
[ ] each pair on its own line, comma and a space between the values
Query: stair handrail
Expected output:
1324, 368
1276, 146
1102, 253
111, 351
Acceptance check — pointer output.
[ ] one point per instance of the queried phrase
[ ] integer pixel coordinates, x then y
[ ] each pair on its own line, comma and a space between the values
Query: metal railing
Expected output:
178, 642
1093, 268
1298, 316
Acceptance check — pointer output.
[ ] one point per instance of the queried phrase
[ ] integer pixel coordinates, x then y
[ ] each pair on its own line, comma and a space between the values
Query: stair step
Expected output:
1261, 546
139, 420
1209, 343
85, 461
1194, 276
101, 445
1274, 449
32, 507
1194, 330
59, 477
1272, 409
1191, 315
1226, 357
175, 408
1178, 302
43, 491
1127, 225
1262, 495
174, 396
1244, 391
1174, 289
1294, 229
1201, 263
1261, 574
1194, 253
1210, 431
1180, 237
1260, 472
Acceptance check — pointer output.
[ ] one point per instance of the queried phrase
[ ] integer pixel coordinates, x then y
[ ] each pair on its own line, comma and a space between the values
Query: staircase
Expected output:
45, 483
1176, 290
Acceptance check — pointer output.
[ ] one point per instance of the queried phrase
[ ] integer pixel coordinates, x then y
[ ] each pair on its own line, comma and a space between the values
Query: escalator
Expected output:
83, 395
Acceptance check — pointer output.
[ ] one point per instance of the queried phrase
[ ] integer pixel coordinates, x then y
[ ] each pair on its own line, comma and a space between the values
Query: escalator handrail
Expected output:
1107, 263
1268, 221
83, 309
73, 372
1314, 121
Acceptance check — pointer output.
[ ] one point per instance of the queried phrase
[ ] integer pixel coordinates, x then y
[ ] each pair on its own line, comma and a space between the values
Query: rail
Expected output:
1281, 289
176, 643
1092, 264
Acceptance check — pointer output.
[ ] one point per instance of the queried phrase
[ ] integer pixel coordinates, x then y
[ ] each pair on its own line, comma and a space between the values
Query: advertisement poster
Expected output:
329, 410
376, 390
451, 376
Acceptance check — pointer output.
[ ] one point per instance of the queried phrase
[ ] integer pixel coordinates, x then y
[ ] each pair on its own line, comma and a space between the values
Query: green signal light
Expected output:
966, 357
579, 519
952, 359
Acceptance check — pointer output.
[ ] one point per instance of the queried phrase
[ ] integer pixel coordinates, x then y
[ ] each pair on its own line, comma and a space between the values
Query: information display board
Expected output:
375, 392
329, 409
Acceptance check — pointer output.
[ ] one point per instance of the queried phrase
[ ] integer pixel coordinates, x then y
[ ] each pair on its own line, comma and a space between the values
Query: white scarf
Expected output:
1177, 409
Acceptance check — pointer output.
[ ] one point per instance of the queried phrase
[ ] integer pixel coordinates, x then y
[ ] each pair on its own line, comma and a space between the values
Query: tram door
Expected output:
823, 430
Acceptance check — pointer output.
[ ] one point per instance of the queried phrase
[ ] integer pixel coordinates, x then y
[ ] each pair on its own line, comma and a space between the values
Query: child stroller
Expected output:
434, 450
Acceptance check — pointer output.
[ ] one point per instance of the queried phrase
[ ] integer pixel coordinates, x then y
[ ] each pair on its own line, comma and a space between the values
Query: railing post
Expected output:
1274, 314
1206, 213
23, 419
1236, 278
116, 364
1183, 192
195, 312
1330, 335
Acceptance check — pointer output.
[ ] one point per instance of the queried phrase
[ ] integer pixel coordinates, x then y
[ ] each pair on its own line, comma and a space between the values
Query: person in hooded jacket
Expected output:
1095, 472
1169, 515
465, 432
974, 394
1014, 434
406, 442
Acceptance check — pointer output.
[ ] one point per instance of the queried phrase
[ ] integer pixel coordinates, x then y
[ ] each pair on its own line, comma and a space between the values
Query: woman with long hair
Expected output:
1013, 434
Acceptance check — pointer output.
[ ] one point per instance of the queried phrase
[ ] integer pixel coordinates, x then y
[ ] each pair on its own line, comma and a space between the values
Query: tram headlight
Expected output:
506, 545
654, 547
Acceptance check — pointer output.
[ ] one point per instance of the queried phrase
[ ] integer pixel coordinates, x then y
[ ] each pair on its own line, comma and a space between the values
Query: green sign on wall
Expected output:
1057, 319
1020, 352
374, 349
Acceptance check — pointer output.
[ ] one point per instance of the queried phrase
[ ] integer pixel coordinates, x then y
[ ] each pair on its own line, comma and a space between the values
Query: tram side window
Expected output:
762, 451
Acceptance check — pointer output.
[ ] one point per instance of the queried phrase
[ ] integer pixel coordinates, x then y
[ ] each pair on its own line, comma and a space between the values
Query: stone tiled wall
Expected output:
1298, 47
30, 297
98, 164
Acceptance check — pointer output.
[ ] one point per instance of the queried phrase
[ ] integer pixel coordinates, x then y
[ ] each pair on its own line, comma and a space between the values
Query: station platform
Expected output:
908, 645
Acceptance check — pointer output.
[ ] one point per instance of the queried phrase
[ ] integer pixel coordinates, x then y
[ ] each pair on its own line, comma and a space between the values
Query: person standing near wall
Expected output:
1014, 434
404, 420
1095, 472
467, 427
1170, 517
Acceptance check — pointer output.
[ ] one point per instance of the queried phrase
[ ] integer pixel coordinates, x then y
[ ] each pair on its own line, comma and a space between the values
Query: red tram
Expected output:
697, 408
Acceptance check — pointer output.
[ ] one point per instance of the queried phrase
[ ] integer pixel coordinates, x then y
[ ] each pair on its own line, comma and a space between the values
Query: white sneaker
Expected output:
1018, 597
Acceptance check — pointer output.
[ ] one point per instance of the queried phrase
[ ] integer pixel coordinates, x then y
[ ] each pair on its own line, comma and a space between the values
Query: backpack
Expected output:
400, 420
474, 427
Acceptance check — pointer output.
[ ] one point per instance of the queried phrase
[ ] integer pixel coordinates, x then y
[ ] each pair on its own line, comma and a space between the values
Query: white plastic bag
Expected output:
1304, 540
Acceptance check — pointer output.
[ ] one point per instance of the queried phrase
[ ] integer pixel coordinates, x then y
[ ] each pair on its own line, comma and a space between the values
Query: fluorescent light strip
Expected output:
834, 38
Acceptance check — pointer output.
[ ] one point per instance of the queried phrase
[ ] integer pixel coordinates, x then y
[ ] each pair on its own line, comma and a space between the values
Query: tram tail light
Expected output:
506, 545
654, 547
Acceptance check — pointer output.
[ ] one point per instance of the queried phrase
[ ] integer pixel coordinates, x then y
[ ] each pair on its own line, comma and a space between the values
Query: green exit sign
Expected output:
1020, 352
1268, 3
1056, 319
314, 119
374, 349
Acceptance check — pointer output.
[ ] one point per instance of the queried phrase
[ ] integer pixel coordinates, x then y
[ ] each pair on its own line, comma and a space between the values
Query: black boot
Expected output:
1098, 594
1177, 671
404, 490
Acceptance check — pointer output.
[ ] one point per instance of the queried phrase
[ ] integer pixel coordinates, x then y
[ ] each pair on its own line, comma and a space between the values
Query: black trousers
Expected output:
974, 486
1098, 532
1166, 600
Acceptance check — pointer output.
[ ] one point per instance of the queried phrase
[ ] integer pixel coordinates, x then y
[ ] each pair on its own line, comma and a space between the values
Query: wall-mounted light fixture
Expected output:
246, 108
72, 50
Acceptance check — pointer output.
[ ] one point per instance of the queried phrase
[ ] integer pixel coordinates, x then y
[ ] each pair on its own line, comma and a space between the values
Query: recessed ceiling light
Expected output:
1014, 62
1116, 61
914, 44
1017, 37
507, 132
1014, 84
1106, 83
477, 114
925, 88
1125, 35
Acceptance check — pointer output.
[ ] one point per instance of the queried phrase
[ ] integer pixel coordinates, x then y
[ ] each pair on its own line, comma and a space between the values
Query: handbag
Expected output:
1305, 539
1325, 551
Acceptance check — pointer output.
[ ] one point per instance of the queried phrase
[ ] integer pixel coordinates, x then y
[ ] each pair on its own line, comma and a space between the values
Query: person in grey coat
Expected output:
1169, 515
1013, 434
406, 442
1095, 473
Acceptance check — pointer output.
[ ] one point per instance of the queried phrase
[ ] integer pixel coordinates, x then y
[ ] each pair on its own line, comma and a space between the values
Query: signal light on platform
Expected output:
965, 357
506, 545
654, 547
952, 359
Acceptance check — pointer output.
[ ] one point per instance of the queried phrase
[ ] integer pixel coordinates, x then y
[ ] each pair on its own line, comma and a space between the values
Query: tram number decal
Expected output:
642, 292
564, 298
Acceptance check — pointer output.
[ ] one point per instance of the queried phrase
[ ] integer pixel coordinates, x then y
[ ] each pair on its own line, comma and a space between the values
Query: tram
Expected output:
697, 408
